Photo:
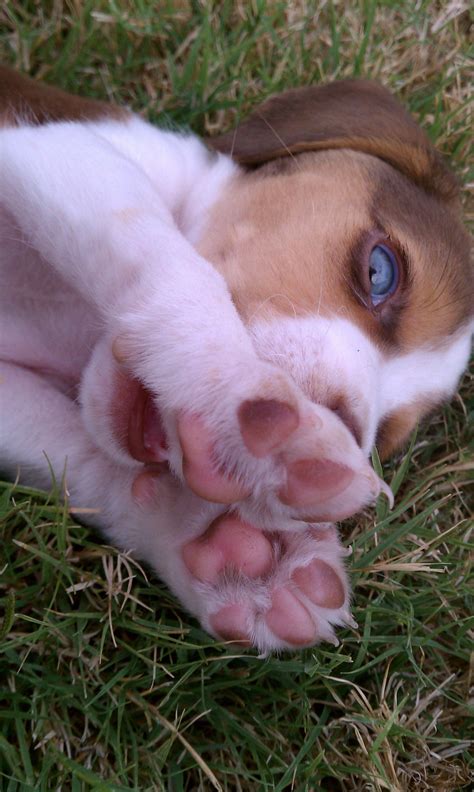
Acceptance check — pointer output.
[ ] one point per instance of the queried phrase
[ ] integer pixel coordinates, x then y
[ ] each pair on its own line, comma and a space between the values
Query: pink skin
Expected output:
320, 584
228, 542
231, 544
290, 620
144, 488
199, 471
311, 480
265, 425
230, 623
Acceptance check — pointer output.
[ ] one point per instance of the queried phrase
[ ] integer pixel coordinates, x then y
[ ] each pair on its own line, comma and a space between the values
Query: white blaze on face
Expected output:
426, 373
332, 360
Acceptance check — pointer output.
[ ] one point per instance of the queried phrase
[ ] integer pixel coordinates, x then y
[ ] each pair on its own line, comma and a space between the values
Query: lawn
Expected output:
106, 684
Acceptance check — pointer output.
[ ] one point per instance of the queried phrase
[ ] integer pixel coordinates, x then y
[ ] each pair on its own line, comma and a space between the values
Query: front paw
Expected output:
245, 435
312, 470
271, 590
252, 437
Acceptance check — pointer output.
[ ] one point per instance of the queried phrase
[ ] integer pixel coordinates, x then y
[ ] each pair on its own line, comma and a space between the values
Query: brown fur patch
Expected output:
23, 99
350, 114
439, 298
295, 240
274, 237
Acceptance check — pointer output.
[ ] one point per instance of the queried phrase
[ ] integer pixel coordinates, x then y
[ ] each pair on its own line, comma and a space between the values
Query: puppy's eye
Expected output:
383, 273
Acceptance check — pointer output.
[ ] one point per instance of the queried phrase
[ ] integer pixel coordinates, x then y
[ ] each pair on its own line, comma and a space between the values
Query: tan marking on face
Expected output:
294, 239
23, 99
277, 238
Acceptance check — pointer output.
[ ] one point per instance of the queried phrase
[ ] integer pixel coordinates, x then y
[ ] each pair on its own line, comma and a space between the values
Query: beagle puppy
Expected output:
202, 343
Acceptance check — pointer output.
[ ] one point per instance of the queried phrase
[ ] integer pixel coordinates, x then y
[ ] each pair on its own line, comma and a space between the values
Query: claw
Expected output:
350, 621
387, 492
378, 485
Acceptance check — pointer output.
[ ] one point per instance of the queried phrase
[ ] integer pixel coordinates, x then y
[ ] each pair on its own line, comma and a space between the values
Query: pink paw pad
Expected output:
146, 439
230, 623
315, 480
265, 424
198, 467
320, 583
229, 542
290, 620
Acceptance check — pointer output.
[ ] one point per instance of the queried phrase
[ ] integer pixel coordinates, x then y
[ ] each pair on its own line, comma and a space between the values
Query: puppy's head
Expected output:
343, 247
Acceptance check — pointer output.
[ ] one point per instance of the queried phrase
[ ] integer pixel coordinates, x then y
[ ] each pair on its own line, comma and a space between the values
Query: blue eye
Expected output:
383, 273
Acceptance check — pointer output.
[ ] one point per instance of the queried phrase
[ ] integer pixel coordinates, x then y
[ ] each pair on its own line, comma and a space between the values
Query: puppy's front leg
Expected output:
239, 582
243, 426
97, 219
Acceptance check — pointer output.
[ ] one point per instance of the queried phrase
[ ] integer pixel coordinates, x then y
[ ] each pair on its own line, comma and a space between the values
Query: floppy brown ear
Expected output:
355, 114
22, 98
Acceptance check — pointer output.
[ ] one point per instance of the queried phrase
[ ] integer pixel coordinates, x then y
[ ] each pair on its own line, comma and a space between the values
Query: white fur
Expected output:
427, 373
98, 222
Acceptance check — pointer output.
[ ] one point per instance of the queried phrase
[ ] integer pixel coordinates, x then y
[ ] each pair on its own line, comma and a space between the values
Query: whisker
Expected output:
20, 240
268, 299
280, 140
355, 291
455, 301
234, 139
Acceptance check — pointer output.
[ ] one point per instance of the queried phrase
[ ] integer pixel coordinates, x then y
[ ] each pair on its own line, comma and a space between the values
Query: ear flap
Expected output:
38, 103
355, 114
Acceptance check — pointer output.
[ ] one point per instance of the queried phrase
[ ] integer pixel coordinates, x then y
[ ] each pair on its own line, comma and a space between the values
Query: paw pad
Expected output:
230, 623
265, 424
290, 620
228, 544
277, 590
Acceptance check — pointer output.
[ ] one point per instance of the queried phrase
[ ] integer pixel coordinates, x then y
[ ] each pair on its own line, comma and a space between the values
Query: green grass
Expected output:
106, 683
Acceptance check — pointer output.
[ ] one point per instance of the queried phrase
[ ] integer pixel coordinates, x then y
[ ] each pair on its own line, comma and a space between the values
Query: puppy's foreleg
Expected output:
101, 224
